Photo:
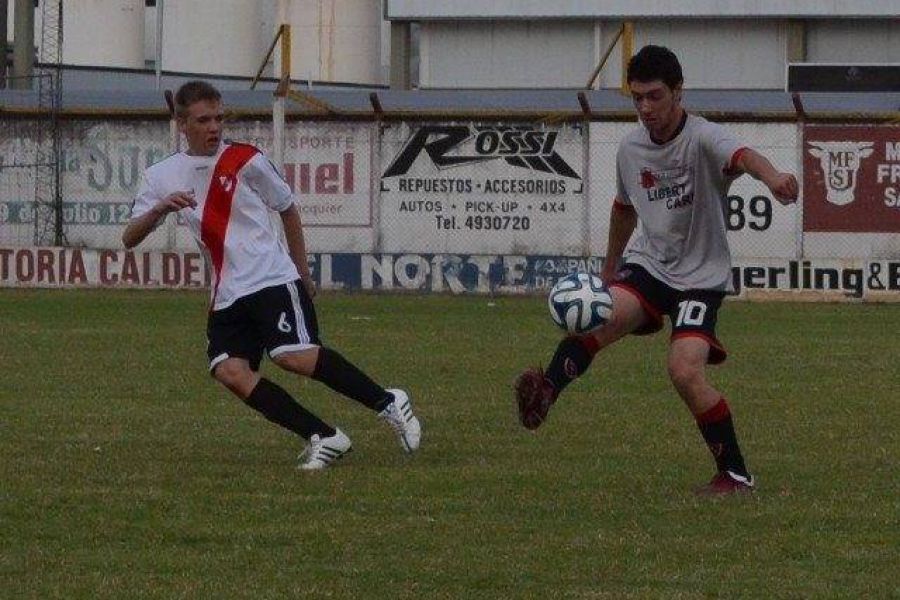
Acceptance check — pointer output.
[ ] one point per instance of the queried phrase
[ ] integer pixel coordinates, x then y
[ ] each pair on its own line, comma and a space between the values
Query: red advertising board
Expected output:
851, 178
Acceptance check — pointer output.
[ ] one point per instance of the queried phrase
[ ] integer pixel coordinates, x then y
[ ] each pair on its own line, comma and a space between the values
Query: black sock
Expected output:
336, 372
572, 358
278, 406
717, 428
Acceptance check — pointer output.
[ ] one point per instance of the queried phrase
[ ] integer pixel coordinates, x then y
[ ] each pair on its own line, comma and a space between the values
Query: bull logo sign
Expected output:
840, 164
848, 184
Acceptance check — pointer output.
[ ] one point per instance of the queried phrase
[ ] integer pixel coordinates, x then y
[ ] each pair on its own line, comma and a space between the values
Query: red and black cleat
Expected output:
727, 483
534, 395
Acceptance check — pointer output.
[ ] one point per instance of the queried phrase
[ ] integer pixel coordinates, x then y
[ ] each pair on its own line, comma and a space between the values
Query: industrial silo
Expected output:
336, 40
220, 37
104, 33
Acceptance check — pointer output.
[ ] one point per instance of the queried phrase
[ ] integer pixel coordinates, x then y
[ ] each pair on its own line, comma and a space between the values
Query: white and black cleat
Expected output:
321, 452
399, 415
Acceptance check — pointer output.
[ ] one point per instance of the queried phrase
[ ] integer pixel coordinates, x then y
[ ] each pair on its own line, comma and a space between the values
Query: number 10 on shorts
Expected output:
690, 312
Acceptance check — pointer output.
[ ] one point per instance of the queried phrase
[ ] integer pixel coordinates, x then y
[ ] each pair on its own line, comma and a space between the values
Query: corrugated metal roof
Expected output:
429, 10
430, 103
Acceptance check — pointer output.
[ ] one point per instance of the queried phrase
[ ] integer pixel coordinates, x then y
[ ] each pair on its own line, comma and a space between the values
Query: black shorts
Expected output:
691, 312
275, 320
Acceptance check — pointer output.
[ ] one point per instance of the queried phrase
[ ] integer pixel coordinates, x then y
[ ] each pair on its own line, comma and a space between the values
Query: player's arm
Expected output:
622, 221
263, 178
140, 227
293, 235
782, 185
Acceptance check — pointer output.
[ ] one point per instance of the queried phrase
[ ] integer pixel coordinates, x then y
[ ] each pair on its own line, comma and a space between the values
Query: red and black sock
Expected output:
573, 356
339, 374
717, 428
275, 404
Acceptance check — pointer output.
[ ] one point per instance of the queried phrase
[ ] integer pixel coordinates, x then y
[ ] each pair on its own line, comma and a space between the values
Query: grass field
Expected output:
125, 472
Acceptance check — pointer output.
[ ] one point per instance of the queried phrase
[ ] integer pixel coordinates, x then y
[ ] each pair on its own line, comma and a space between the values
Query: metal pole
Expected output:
23, 43
4, 8
59, 233
604, 58
160, 9
627, 51
284, 85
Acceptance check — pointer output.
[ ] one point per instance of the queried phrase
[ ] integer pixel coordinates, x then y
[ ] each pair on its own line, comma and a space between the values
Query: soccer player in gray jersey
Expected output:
673, 175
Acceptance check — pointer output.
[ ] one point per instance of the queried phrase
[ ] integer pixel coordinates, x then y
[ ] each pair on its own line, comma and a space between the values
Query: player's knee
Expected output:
302, 362
236, 376
685, 373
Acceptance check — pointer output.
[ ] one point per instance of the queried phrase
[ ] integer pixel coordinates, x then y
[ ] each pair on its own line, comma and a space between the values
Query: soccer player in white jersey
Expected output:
261, 298
673, 175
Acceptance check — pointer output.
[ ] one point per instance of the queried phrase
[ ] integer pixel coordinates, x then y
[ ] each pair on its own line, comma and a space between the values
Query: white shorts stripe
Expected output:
290, 348
217, 360
302, 332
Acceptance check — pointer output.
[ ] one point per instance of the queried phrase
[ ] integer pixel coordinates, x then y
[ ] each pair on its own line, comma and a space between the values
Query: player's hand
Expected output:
175, 202
784, 187
310, 286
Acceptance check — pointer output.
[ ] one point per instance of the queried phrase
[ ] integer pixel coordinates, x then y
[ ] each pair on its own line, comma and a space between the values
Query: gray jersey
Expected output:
679, 190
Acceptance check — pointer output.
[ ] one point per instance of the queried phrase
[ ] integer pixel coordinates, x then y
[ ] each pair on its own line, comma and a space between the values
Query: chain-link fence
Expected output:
510, 191
30, 186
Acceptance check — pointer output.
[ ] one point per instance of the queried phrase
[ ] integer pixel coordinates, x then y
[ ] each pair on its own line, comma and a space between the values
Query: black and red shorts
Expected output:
691, 312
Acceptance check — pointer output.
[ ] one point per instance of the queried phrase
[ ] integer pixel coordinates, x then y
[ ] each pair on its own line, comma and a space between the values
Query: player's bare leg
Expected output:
302, 362
687, 370
536, 391
237, 376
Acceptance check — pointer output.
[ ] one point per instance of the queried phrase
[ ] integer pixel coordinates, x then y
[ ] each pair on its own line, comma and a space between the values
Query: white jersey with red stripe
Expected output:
235, 190
679, 190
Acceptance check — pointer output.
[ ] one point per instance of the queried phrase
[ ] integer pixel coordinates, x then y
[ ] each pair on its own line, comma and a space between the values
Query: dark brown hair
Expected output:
655, 63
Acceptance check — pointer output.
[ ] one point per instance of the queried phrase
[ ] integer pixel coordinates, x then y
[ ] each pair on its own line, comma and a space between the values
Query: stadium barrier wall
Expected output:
464, 206
803, 279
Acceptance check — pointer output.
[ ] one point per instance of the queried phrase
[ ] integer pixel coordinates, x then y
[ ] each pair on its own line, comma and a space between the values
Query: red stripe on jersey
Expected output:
618, 205
732, 167
217, 209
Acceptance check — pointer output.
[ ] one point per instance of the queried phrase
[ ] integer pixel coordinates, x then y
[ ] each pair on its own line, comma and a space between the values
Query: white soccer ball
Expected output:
580, 302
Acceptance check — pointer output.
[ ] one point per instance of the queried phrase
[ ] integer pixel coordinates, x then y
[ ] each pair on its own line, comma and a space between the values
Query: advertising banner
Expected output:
100, 169
486, 188
851, 178
327, 165
453, 273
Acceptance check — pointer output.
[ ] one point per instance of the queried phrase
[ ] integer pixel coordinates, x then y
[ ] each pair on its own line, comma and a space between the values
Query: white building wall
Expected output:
345, 40
722, 54
414, 10
506, 54
854, 40
714, 53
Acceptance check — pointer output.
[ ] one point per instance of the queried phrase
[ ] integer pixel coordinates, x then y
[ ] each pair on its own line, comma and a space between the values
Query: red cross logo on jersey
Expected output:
227, 182
648, 181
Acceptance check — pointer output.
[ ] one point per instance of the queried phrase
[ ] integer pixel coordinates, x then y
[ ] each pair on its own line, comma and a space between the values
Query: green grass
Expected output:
126, 472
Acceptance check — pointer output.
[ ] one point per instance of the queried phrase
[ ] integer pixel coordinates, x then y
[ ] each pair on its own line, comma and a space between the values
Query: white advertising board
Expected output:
485, 188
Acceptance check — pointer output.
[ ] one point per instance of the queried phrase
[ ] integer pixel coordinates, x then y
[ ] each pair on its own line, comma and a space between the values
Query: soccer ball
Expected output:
580, 302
